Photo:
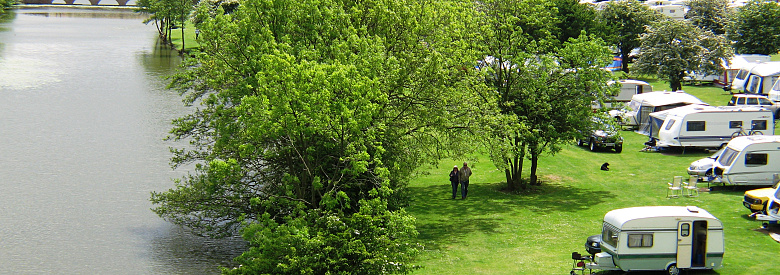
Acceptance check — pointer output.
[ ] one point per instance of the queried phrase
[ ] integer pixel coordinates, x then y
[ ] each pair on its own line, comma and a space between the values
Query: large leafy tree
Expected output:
712, 15
673, 48
574, 18
755, 28
314, 114
544, 98
623, 22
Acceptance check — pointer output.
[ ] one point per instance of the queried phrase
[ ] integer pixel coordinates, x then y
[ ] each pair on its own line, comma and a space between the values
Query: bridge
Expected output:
71, 2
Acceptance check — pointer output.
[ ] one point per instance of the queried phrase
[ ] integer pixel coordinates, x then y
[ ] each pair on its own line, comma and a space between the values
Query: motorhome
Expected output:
707, 126
762, 77
637, 113
671, 238
749, 160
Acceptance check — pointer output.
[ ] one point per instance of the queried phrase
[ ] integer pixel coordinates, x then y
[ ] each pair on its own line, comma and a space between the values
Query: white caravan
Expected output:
670, 238
740, 80
749, 160
762, 77
736, 63
628, 88
774, 93
637, 114
707, 126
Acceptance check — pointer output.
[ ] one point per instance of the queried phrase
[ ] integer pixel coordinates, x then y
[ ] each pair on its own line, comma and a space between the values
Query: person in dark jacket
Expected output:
465, 173
454, 180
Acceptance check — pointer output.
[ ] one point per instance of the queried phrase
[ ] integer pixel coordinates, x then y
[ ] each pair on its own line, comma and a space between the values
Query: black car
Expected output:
602, 135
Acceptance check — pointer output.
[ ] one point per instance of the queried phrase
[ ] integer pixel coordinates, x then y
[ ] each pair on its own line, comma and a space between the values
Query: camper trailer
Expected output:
631, 87
733, 65
637, 114
762, 77
774, 93
740, 80
628, 88
749, 160
706, 126
670, 238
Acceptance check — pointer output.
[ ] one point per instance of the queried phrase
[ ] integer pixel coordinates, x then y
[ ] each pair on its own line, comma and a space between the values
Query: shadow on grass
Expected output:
441, 219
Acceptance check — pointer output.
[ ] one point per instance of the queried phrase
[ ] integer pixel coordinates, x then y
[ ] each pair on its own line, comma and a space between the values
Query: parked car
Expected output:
703, 167
756, 200
753, 100
602, 135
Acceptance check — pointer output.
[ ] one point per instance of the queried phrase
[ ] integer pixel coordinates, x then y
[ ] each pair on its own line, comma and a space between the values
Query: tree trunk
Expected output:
675, 85
534, 165
624, 58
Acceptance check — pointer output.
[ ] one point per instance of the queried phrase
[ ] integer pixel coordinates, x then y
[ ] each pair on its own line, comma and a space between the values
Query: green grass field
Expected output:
493, 232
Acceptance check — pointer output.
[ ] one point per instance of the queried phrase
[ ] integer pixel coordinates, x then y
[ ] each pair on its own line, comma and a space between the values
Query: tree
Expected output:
623, 23
166, 14
711, 15
673, 48
309, 110
574, 18
755, 28
544, 99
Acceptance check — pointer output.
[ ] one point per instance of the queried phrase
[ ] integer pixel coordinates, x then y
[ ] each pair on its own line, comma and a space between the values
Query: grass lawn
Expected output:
189, 37
493, 232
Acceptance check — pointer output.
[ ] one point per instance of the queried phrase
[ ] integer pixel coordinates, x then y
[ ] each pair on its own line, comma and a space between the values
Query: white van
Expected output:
762, 77
707, 126
670, 238
749, 160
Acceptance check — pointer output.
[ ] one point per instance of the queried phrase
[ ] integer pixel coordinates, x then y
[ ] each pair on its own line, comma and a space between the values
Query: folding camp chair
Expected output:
690, 187
674, 188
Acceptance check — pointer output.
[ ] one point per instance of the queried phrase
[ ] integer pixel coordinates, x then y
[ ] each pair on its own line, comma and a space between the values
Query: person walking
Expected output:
454, 179
465, 173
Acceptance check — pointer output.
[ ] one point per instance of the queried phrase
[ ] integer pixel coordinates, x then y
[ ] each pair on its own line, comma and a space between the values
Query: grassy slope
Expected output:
492, 232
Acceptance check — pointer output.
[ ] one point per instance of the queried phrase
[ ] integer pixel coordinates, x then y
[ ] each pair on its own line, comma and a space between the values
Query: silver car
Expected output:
703, 167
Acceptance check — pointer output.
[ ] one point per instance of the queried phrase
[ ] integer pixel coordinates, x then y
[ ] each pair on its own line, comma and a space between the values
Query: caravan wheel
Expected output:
673, 270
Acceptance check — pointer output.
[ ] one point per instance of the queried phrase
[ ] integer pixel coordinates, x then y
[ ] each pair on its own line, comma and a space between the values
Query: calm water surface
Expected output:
83, 114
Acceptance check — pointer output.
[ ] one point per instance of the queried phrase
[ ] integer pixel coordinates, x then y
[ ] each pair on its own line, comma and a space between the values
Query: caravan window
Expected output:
609, 234
742, 74
640, 240
735, 124
669, 124
752, 101
764, 101
728, 156
758, 124
756, 159
694, 126
754, 84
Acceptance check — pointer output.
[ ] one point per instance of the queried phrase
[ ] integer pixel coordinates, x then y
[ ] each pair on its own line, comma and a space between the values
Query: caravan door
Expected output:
684, 241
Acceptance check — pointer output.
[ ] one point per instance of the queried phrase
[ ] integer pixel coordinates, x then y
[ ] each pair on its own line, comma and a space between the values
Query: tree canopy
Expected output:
314, 114
623, 22
712, 15
544, 96
755, 28
672, 49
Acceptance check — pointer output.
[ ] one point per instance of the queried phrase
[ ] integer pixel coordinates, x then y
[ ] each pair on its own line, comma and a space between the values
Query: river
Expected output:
83, 116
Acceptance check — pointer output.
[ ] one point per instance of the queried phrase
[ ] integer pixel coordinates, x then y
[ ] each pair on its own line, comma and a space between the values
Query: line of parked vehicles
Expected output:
675, 238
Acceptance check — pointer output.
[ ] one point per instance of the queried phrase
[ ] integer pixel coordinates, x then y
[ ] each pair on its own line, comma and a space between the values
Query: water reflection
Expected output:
83, 115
